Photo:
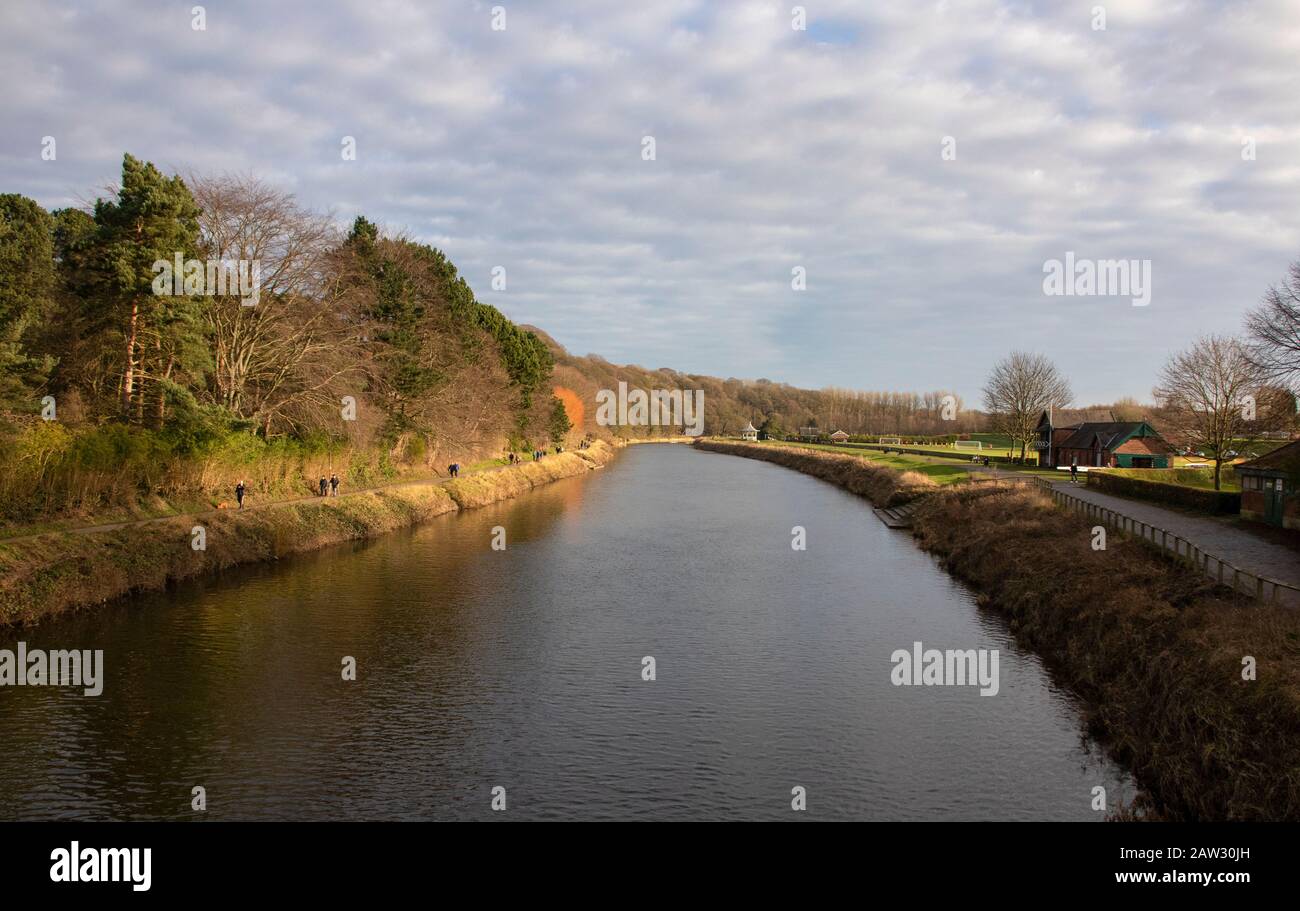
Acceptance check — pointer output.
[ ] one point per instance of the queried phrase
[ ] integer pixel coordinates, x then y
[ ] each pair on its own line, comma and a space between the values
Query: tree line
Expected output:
352, 338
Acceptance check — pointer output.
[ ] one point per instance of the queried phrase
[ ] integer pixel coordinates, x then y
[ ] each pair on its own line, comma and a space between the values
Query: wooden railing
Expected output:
1261, 587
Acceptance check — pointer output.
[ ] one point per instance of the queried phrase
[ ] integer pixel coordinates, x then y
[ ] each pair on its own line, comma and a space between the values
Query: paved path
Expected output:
1240, 548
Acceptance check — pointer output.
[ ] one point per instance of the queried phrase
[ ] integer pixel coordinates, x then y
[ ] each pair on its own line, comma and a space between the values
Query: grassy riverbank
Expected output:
1154, 650
49, 574
866, 477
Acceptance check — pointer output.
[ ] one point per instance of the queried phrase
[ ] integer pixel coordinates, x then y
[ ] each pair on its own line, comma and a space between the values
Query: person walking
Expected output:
239, 492
1074, 470
334, 485
323, 484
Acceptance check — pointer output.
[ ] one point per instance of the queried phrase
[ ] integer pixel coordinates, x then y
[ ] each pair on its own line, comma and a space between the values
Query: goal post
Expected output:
968, 444
891, 441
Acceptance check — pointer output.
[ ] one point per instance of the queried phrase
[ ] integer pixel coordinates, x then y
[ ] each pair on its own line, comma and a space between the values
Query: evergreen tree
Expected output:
560, 425
27, 282
153, 219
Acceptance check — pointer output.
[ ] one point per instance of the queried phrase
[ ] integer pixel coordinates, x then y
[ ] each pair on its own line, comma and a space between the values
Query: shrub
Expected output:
1216, 502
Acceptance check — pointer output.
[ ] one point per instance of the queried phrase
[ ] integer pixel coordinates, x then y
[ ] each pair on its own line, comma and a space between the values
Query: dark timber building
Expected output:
1270, 487
1103, 444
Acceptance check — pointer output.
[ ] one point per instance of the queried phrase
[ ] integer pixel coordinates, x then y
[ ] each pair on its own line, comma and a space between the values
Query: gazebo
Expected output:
749, 432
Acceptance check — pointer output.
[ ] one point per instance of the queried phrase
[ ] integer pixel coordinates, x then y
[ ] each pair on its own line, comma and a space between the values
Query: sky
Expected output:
917, 162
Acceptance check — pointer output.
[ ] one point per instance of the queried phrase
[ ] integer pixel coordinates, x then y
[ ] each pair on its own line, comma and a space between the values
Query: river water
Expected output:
522, 669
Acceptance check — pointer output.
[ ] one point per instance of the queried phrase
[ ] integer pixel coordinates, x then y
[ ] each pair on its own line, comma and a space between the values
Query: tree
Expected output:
441, 363
27, 283
153, 218
288, 359
77, 333
1021, 387
1208, 392
1274, 332
559, 425
1127, 409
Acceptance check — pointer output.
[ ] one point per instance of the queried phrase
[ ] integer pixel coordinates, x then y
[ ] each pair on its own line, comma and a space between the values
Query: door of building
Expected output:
1274, 490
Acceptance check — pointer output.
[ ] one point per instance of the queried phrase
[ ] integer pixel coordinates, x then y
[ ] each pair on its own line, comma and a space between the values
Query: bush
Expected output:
49, 470
1215, 502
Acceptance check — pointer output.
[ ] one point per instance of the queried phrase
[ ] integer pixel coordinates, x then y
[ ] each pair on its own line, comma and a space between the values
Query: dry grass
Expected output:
481, 489
61, 571
1154, 649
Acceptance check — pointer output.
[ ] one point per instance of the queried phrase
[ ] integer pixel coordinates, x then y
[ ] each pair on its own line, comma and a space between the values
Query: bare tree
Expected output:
1127, 409
289, 358
1208, 393
1021, 387
1274, 332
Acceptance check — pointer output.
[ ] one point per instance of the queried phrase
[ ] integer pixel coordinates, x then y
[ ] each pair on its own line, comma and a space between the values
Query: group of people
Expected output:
454, 469
328, 487
513, 457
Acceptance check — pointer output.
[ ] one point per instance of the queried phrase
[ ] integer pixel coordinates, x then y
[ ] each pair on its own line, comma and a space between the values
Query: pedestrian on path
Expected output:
1074, 470
323, 484
239, 492
334, 485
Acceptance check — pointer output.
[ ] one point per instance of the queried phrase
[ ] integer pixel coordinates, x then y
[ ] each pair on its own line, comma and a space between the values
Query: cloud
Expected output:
775, 148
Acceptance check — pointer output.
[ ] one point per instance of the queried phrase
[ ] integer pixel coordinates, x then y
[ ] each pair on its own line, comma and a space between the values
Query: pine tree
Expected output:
560, 425
153, 219
27, 282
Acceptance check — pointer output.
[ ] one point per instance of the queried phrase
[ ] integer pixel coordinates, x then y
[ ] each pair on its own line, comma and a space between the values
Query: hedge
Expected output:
1218, 502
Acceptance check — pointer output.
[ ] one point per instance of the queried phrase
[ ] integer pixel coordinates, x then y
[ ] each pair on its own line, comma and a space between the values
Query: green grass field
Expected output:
941, 471
988, 450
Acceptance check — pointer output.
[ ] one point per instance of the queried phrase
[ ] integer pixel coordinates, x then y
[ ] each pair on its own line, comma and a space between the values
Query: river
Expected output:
521, 669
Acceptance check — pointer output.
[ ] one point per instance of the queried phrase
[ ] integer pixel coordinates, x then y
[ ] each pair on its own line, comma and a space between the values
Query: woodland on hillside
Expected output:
362, 347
